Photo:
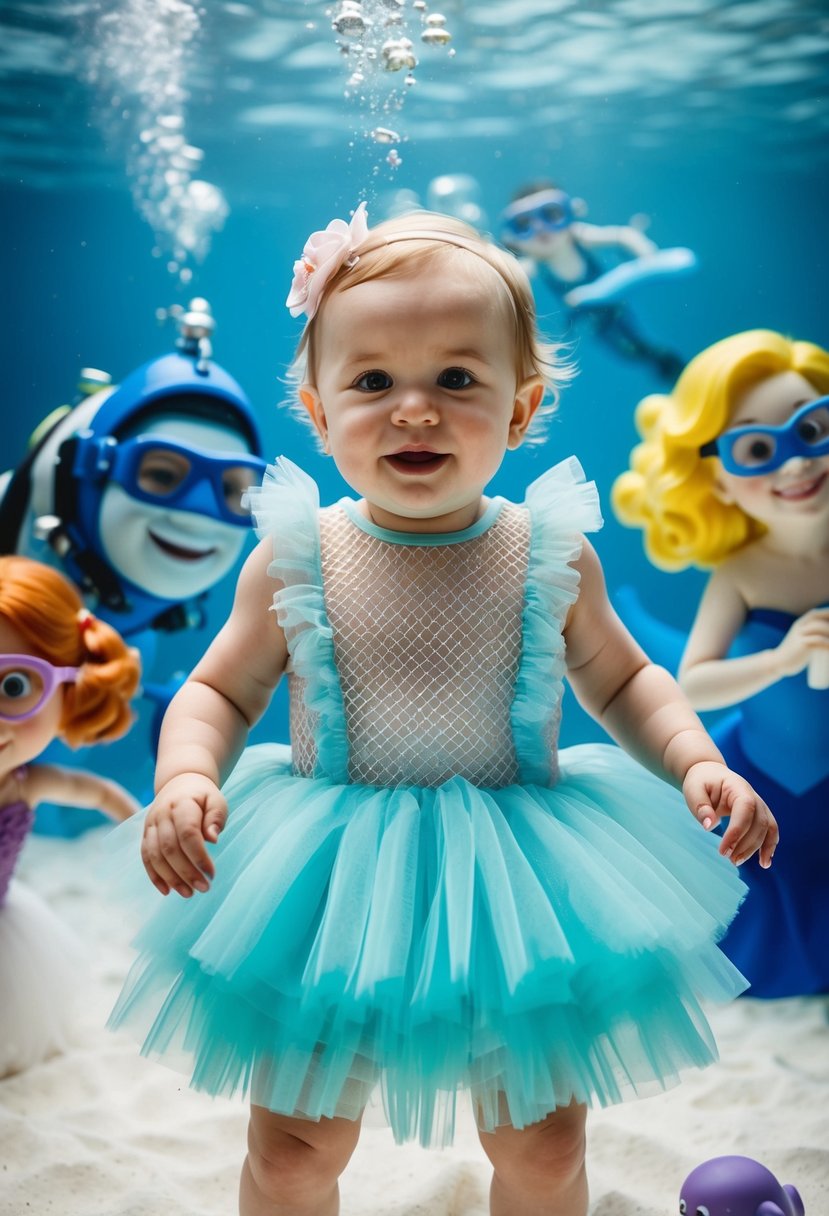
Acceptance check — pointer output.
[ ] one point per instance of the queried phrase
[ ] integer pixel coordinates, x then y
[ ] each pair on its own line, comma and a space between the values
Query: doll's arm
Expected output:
205, 729
621, 236
710, 680
78, 787
643, 708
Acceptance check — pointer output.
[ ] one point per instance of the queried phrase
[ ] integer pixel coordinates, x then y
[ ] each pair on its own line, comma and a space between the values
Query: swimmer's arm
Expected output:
207, 722
640, 705
603, 236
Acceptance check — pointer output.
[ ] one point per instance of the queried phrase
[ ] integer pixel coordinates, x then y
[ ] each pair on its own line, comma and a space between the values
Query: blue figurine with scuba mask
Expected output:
543, 225
136, 494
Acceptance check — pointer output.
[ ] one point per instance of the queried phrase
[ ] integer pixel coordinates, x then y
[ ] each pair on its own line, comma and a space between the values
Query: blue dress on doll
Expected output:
779, 741
421, 893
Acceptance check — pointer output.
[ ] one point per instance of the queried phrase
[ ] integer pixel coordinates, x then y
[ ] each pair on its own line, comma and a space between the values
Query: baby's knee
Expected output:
292, 1167
544, 1157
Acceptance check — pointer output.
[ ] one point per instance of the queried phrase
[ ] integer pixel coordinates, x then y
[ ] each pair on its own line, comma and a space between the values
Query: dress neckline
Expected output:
491, 513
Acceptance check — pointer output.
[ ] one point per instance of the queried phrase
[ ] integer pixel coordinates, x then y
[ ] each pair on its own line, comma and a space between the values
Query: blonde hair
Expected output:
47, 611
669, 490
395, 248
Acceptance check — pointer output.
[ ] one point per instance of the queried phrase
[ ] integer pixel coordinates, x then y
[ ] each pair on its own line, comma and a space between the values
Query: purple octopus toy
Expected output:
737, 1186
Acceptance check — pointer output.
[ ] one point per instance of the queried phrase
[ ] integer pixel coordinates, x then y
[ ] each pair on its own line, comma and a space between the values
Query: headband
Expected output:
337, 245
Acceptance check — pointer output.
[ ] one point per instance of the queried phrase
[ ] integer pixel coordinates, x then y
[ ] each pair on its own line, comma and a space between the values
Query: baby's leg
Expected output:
293, 1165
539, 1170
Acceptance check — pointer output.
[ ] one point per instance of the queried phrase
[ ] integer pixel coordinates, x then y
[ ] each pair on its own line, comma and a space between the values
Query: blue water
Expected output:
709, 118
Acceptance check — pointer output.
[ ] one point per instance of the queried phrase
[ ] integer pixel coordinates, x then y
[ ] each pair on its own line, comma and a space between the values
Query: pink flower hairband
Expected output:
324, 253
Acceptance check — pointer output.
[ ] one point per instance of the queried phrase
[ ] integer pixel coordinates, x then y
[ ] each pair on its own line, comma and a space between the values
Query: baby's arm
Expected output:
712, 681
77, 787
643, 708
205, 729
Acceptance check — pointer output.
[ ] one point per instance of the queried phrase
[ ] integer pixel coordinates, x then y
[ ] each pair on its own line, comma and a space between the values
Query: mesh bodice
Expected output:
427, 644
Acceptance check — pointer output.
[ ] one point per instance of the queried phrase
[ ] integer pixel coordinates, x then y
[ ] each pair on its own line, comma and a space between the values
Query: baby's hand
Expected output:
713, 792
189, 810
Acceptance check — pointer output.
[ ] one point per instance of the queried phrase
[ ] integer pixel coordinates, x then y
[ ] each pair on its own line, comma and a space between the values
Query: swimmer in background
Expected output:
542, 226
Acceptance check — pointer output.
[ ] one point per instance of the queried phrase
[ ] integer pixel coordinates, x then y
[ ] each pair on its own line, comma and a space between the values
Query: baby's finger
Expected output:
768, 846
172, 838
708, 817
740, 824
197, 865
158, 872
215, 817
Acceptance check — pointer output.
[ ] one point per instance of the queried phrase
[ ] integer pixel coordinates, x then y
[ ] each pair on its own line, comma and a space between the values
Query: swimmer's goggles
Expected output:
27, 683
546, 211
170, 474
748, 451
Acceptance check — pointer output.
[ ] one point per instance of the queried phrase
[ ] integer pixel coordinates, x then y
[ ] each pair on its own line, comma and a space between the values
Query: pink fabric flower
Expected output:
323, 255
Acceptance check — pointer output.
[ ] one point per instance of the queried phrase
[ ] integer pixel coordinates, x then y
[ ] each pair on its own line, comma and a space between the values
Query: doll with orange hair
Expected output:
733, 473
63, 674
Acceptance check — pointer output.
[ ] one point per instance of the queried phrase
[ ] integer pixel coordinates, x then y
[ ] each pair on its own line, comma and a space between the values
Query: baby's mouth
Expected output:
178, 551
803, 489
416, 460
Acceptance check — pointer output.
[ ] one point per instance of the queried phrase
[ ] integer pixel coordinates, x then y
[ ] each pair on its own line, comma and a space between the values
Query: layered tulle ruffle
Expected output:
524, 943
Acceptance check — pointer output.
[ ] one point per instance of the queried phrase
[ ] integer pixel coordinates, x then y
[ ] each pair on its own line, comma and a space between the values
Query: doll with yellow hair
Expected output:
66, 674
733, 474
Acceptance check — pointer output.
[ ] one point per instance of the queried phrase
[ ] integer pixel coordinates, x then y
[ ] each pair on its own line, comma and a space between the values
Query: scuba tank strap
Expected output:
16, 500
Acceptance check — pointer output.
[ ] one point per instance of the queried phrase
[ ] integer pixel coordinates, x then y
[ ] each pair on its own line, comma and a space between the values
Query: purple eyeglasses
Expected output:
27, 683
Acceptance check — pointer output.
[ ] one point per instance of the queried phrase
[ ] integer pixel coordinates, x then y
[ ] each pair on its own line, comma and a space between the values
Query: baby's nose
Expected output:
415, 407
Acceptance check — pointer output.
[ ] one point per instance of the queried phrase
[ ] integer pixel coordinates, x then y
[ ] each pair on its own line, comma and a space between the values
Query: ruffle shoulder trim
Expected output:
562, 506
286, 508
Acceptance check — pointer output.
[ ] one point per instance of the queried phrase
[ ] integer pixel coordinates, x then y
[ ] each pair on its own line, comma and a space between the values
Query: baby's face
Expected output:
417, 395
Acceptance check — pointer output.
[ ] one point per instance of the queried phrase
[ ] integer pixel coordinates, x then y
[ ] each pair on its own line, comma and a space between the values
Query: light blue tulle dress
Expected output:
422, 895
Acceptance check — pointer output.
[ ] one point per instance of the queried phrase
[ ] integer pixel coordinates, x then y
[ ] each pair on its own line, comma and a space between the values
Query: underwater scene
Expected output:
495, 936
153, 151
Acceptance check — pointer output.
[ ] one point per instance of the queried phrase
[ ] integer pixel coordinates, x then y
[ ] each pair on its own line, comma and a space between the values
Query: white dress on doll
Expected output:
41, 962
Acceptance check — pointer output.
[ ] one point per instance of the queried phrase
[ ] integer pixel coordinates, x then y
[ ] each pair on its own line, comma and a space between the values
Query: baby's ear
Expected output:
310, 398
528, 397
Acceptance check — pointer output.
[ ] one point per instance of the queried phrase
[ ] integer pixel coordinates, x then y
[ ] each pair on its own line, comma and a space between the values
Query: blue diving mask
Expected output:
546, 211
749, 451
160, 471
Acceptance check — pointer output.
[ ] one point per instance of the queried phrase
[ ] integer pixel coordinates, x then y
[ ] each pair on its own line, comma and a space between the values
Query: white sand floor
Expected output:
98, 1131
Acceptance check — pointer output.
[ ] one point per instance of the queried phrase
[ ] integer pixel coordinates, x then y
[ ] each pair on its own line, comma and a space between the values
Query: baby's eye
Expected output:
455, 377
373, 382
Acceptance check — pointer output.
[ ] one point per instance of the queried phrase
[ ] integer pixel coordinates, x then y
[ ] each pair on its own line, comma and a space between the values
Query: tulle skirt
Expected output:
532, 945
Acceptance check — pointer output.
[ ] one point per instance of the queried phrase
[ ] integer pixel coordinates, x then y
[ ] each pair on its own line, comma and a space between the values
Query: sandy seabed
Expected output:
99, 1131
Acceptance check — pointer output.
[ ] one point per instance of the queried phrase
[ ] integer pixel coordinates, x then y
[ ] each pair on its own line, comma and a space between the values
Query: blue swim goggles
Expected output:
545, 211
170, 474
748, 451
